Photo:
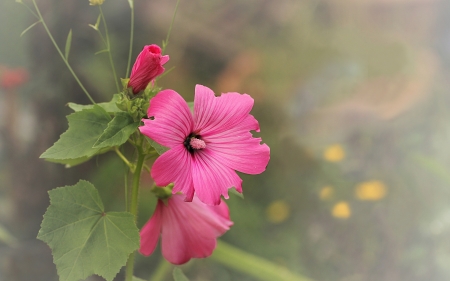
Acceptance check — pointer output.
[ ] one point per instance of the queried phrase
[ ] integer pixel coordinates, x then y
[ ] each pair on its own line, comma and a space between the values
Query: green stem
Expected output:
60, 53
131, 37
108, 46
166, 42
124, 159
134, 207
253, 265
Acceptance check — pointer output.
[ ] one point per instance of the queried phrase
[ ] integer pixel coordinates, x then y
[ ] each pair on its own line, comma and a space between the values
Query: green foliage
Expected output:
85, 128
118, 131
109, 107
84, 239
30, 27
68, 44
137, 279
159, 148
178, 275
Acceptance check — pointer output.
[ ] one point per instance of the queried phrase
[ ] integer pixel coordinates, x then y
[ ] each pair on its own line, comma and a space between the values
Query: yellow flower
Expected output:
370, 190
96, 2
326, 193
341, 210
278, 211
334, 153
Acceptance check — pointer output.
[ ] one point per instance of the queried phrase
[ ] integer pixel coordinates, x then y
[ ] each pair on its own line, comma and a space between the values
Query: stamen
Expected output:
197, 143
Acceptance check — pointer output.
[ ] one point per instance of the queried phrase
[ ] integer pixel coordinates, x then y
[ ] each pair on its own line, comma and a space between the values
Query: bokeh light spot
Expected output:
370, 190
341, 210
334, 153
278, 211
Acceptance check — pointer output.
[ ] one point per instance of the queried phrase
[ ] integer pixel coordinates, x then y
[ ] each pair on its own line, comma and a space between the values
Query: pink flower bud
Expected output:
148, 65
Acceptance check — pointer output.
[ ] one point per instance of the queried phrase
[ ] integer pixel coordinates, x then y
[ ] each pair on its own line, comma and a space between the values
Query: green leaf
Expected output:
109, 107
84, 239
28, 28
96, 24
235, 192
85, 127
118, 131
159, 148
69, 163
102, 51
178, 275
137, 279
68, 44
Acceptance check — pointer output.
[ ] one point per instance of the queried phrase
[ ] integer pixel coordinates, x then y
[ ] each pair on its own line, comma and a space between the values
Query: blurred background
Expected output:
351, 95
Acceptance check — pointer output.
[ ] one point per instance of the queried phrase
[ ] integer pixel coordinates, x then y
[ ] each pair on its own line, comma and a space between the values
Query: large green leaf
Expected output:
118, 131
85, 127
84, 239
110, 106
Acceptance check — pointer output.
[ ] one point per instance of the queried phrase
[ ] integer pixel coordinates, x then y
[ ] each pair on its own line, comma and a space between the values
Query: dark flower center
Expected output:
194, 142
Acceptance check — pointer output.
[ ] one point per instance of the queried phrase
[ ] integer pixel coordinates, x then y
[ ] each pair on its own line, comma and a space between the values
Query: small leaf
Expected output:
96, 24
28, 28
118, 131
235, 192
68, 44
84, 239
159, 148
178, 275
109, 107
85, 127
102, 51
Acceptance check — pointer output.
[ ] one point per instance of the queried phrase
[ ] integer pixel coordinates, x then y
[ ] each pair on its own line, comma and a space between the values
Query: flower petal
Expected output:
211, 178
174, 166
150, 232
190, 229
213, 114
237, 149
170, 119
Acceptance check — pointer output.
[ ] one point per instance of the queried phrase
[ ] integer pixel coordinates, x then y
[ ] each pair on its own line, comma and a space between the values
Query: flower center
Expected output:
194, 142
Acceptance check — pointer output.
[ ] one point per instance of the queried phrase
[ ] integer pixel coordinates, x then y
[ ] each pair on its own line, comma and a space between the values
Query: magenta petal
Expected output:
164, 59
150, 232
174, 166
190, 229
170, 119
212, 178
213, 114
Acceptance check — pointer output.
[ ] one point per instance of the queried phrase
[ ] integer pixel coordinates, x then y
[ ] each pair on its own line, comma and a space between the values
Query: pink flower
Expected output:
148, 65
207, 147
188, 229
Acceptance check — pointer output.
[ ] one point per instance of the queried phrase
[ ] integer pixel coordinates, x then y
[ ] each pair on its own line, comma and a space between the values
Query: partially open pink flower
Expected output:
148, 65
188, 229
207, 147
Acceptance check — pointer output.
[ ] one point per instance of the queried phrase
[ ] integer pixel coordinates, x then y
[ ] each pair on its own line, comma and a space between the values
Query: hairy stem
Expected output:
134, 206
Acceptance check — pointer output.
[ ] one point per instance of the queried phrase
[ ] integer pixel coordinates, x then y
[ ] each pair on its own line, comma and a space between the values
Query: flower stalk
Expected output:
60, 53
134, 206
